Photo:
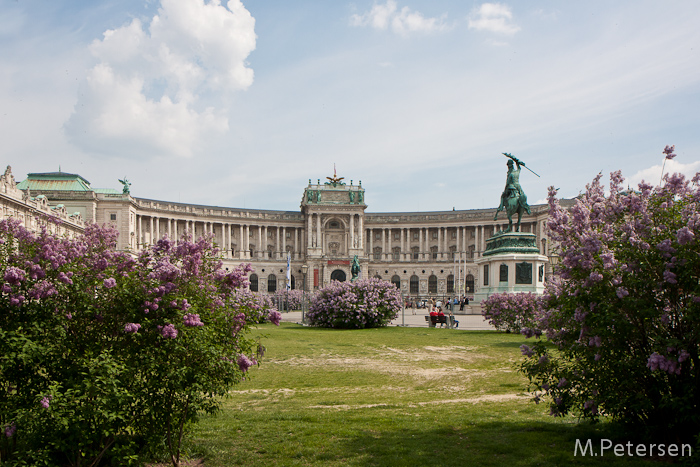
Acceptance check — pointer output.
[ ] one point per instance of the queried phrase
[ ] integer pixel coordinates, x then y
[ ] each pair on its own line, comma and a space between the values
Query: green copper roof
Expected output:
55, 181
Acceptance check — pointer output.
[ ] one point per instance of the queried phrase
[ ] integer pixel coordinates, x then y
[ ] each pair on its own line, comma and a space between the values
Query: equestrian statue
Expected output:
513, 199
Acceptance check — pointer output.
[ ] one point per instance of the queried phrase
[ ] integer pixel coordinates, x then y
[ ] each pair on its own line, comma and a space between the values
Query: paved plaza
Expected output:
469, 322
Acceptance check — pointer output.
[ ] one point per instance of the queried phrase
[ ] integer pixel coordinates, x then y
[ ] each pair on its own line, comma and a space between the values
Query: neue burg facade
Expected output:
423, 253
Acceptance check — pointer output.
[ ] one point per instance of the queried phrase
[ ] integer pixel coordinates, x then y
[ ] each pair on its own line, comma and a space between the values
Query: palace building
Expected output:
423, 253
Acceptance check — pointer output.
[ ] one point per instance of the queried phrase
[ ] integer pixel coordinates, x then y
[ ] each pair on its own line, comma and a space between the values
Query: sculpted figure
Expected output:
355, 269
513, 198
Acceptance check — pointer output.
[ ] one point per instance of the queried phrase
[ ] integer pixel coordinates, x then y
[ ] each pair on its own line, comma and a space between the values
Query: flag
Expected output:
289, 271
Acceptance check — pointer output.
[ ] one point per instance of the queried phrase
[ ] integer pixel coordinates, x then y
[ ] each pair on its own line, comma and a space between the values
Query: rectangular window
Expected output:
397, 235
113, 217
415, 235
486, 274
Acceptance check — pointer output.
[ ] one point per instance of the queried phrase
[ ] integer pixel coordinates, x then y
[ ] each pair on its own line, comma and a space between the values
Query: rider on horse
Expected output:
513, 188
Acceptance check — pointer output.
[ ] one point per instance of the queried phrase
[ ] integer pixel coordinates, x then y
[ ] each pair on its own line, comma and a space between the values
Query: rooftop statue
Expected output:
126, 184
513, 198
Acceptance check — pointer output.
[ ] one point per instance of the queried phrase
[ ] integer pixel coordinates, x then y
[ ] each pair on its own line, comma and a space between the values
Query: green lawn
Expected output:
391, 397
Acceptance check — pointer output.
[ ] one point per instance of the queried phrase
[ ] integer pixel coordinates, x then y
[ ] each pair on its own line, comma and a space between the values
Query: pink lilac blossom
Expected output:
132, 327
192, 320
275, 317
45, 402
168, 331
244, 363
110, 283
10, 429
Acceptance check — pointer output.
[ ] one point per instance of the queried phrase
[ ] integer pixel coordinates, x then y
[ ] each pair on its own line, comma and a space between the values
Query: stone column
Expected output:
296, 243
352, 230
420, 243
361, 231
319, 241
402, 256
138, 243
262, 239
240, 241
309, 243
284, 242
371, 243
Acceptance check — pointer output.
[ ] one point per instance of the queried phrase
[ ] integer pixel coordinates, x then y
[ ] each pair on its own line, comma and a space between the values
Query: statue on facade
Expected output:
352, 196
126, 184
318, 196
513, 199
309, 196
355, 269
360, 196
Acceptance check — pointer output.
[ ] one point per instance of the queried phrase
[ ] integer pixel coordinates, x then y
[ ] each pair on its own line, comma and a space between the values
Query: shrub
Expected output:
624, 313
292, 298
512, 312
104, 356
365, 303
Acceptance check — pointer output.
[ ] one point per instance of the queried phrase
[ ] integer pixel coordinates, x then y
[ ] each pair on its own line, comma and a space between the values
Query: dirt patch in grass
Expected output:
470, 400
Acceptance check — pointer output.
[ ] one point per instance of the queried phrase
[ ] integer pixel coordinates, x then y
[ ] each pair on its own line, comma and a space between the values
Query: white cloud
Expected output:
403, 22
652, 175
493, 17
159, 86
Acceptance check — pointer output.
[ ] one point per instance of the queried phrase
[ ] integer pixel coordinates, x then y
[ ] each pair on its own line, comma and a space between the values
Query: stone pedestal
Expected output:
512, 263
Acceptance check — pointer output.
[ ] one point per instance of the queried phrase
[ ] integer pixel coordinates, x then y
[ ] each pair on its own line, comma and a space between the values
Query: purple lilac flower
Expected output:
244, 363
132, 327
45, 402
14, 275
168, 331
192, 320
527, 351
562, 383
10, 430
684, 236
622, 292
275, 317
110, 282
668, 150
670, 277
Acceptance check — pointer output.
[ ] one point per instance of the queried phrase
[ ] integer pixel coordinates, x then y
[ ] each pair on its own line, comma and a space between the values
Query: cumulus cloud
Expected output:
652, 174
402, 22
158, 85
493, 17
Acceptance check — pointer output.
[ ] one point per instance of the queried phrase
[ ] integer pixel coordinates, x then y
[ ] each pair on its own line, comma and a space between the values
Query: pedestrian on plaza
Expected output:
461, 303
453, 320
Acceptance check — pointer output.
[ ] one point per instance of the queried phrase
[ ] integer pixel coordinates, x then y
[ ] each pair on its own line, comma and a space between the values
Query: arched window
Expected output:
377, 252
377, 276
272, 283
293, 282
338, 275
415, 251
270, 249
450, 284
396, 253
252, 251
253, 282
414, 284
453, 251
396, 280
469, 283
432, 284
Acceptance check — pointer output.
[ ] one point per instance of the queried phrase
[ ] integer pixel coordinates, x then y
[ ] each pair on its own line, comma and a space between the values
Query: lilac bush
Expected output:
120, 353
512, 312
624, 311
365, 303
293, 298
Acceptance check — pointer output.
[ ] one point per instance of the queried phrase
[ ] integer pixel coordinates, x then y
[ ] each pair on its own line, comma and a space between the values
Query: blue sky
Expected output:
240, 103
